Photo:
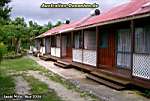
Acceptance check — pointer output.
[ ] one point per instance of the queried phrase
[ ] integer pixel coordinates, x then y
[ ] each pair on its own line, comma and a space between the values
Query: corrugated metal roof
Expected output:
134, 7
63, 28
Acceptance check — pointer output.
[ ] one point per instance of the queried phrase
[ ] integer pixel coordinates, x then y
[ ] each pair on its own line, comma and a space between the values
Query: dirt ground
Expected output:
102, 92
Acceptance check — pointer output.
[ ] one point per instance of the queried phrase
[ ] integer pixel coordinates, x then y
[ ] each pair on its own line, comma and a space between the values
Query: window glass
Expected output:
142, 40
104, 39
78, 40
124, 40
90, 40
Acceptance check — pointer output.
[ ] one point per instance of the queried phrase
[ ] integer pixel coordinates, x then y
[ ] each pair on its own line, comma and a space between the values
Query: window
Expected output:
142, 40
78, 40
42, 42
124, 40
124, 49
57, 41
90, 40
104, 39
53, 41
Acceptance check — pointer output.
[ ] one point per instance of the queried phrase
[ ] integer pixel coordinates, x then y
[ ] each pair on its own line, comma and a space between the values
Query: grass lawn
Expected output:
7, 84
21, 64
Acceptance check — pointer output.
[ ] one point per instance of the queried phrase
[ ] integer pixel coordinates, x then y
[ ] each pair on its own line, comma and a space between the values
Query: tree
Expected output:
4, 17
58, 23
4, 9
2, 51
49, 25
15, 31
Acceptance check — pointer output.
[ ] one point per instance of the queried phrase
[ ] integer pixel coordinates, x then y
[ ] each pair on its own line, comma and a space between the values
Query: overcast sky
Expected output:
30, 9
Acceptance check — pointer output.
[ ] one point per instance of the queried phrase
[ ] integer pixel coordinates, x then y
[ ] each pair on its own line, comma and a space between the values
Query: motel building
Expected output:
112, 47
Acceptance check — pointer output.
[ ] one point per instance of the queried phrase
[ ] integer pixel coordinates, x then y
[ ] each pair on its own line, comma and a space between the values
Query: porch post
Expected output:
50, 44
55, 37
82, 34
72, 40
97, 46
60, 45
132, 44
72, 45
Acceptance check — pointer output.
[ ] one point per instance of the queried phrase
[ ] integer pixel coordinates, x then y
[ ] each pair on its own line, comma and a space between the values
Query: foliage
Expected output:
15, 33
146, 93
58, 23
2, 51
4, 9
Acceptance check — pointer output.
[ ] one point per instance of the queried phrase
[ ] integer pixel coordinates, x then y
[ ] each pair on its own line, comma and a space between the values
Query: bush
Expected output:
3, 50
147, 93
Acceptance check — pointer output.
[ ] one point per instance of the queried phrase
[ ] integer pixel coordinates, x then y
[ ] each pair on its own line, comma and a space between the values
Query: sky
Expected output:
30, 10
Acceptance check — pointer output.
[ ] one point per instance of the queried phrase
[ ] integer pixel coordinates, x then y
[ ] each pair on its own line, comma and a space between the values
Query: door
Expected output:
69, 46
107, 49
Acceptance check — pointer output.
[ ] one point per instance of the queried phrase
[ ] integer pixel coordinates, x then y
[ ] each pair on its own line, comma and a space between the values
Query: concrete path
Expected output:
102, 92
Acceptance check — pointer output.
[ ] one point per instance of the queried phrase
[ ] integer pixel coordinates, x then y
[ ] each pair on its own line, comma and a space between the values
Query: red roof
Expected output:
63, 28
134, 7
52, 31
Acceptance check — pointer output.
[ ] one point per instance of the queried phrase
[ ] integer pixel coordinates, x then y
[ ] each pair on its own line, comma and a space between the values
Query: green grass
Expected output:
25, 64
21, 64
7, 85
41, 88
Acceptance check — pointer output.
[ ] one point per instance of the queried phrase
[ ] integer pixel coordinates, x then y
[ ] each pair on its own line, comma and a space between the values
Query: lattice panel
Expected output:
57, 52
141, 66
89, 57
77, 55
53, 51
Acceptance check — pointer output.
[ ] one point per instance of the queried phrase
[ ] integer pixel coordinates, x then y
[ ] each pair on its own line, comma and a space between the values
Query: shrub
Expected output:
3, 50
